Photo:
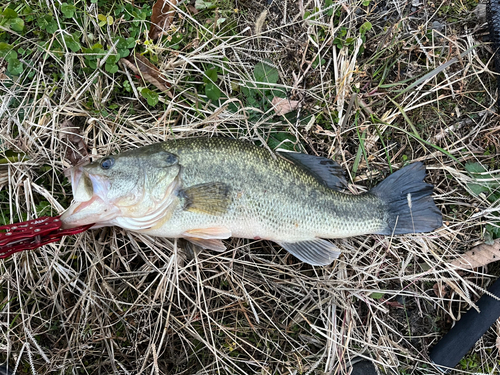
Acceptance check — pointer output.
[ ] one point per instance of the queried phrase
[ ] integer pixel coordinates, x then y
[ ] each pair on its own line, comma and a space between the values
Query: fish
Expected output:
206, 190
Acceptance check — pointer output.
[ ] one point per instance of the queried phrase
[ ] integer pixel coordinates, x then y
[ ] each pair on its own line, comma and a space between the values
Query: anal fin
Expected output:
316, 252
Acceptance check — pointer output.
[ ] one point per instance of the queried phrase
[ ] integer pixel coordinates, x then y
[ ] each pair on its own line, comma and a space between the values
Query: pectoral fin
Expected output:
210, 198
317, 252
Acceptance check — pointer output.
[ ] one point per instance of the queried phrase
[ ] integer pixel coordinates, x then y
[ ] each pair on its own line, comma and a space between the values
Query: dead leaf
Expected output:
161, 19
146, 70
283, 106
440, 290
479, 256
193, 9
76, 149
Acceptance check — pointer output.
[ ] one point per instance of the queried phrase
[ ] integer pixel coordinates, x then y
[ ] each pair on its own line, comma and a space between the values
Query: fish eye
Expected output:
171, 159
107, 163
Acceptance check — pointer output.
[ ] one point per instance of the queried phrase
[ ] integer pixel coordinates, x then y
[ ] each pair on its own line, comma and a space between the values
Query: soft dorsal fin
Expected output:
317, 252
211, 198
325, 170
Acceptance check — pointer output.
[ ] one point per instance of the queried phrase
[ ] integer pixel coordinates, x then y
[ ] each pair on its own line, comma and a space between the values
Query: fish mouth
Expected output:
89, 201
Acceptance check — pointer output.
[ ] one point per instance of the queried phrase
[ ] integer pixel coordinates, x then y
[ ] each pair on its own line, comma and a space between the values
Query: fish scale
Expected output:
278, 194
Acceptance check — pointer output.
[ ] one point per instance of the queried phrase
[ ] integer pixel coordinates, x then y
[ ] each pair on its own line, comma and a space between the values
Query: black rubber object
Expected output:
462, 337
493, 17
4, 370
364, 367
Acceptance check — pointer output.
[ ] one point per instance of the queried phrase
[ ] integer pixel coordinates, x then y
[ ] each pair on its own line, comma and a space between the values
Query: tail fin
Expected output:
409, 201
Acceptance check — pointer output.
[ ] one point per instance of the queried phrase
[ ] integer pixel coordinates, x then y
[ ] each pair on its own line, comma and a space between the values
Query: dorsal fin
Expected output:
325, 170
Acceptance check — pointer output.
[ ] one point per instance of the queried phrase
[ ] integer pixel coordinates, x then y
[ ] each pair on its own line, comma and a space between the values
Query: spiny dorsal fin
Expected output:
210, 198
317, 252
325, 170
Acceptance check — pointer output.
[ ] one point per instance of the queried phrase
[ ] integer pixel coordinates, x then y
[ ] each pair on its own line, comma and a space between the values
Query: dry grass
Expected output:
115, 302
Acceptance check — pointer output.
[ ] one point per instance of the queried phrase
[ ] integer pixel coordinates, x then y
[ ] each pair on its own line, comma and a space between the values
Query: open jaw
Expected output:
88, 205
94, 210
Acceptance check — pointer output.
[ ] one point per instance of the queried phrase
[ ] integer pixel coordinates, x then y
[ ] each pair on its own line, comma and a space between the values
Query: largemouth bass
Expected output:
209, 189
